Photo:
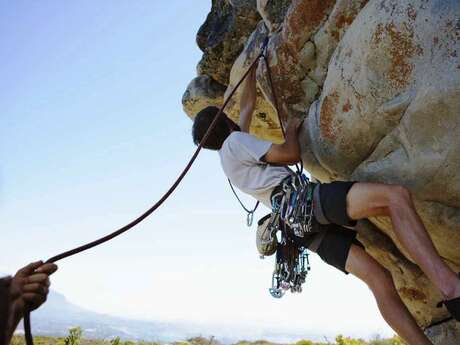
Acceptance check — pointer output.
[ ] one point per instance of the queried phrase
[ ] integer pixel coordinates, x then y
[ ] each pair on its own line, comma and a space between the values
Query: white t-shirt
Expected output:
240, 156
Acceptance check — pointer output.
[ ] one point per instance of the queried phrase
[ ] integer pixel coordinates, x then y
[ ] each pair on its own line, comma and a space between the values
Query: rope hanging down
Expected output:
116, 233
299, 167
250, 216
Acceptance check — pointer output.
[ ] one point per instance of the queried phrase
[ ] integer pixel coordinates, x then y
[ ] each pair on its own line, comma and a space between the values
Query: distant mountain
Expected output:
58, 315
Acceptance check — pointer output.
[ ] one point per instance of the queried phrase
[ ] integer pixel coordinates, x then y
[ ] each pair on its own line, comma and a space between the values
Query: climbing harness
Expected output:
116, 233
294, 203
291, 220
250, 213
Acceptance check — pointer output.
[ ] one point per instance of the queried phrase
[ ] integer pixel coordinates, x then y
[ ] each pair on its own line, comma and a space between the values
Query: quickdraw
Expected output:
294, 203
291, 269
291, 219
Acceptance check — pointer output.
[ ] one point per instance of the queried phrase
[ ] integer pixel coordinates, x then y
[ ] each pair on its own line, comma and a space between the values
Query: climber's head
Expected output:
221, 131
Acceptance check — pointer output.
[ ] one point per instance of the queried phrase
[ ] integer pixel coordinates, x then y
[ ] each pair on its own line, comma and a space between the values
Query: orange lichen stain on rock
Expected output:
306, 16
287, 76
413, 294
401, 49
328, 109
347, 106
341, 22
335, 34
344, 20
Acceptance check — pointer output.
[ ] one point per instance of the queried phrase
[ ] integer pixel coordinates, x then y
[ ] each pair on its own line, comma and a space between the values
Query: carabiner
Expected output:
249, 219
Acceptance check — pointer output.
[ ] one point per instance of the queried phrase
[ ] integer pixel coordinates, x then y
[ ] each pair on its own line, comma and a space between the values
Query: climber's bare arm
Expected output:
248, 100
289, 151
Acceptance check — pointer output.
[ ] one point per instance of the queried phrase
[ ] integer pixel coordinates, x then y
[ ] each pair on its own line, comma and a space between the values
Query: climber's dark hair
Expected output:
220, 132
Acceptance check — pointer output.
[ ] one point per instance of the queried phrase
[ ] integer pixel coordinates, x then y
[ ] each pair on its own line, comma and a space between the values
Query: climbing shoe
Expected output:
453, 306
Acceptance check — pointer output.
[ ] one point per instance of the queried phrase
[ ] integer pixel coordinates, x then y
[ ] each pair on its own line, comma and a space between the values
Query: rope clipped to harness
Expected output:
250, 213
132, 224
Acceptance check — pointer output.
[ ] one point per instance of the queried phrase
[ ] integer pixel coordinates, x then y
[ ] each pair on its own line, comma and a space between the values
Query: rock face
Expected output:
378, 83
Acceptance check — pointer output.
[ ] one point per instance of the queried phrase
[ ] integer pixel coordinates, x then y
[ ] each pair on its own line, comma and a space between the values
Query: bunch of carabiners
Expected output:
296, 205
291, 269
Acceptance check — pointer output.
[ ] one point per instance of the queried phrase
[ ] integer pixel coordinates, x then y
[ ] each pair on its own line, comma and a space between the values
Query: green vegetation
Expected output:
75, 338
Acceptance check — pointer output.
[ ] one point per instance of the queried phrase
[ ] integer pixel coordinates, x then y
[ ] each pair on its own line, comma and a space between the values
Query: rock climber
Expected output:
27, 289
256, 167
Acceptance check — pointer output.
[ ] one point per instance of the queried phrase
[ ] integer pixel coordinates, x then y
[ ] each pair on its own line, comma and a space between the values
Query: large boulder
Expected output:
390, 110
378, 83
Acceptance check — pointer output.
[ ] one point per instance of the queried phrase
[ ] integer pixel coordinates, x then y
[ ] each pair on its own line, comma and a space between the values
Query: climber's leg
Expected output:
373, 199
379, 280
339, 247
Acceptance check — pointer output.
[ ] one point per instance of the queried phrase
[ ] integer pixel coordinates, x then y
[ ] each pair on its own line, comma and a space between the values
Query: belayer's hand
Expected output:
30, 286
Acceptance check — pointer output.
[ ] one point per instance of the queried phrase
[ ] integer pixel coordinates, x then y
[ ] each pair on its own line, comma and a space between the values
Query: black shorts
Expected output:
333, 244
333, 241
330, 203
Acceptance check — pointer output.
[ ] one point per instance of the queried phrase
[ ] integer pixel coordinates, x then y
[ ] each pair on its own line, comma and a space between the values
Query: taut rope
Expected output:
116, 233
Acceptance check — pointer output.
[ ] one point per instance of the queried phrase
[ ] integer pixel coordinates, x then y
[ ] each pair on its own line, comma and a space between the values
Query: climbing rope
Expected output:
116, 233
299, 167
250, 213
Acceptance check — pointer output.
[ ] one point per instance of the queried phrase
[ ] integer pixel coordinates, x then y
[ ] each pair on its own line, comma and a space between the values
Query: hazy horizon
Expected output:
58, 315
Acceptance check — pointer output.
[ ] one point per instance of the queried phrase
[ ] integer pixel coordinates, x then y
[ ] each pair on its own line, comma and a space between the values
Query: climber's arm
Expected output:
289, 151
248, 100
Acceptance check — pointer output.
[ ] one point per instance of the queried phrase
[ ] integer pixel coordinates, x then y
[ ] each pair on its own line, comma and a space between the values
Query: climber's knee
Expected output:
398, 198
366, 200
362, 265
381, 280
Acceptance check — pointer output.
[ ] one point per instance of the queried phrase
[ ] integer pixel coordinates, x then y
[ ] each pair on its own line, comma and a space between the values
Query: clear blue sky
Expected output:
92, 133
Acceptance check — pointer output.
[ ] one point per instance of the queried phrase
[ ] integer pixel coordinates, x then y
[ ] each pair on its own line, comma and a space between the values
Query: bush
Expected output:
305, 342
393, 341
74, 336
341, 340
